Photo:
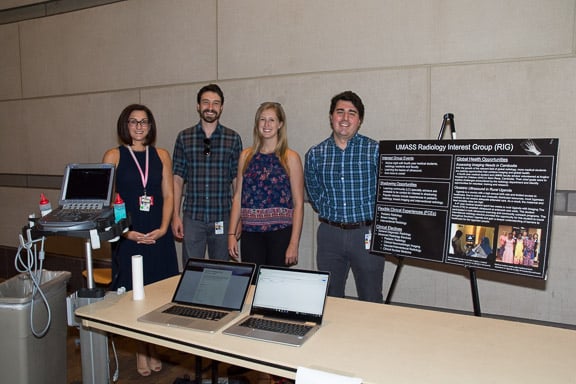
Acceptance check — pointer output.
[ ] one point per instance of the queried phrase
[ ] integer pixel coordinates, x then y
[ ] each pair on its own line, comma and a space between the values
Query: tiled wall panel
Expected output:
129, 44
299, 36
46, 134
10, 85
512, 100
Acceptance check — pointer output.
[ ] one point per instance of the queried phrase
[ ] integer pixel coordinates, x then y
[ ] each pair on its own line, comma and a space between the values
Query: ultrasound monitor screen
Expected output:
88, 184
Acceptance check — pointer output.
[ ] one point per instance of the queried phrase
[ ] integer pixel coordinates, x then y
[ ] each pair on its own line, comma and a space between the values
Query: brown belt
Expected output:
361, 224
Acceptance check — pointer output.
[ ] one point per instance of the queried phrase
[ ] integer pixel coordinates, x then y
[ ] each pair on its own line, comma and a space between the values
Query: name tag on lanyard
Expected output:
146, 202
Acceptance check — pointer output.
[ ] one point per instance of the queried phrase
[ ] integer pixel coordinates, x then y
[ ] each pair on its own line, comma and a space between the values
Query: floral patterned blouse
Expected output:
266, 196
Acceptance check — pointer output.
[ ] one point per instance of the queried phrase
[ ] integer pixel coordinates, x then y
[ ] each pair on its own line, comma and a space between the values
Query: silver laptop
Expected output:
85, 198
288, 306
209, 295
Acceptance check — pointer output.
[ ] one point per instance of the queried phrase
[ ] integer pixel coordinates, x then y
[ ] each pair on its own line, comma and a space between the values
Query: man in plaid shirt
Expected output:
205, 163
340, 175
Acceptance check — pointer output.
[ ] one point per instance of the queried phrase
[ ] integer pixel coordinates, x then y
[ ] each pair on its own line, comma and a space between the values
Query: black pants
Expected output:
265, 248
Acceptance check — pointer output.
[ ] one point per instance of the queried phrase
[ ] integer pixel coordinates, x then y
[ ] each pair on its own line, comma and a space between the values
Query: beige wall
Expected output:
505, 68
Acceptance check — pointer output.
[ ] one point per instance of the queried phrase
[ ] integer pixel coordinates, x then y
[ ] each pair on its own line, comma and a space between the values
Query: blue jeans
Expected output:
340, 250
199, 235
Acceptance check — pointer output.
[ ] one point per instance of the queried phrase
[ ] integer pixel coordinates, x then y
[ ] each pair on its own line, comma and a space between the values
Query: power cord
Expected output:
117, 371
33, 267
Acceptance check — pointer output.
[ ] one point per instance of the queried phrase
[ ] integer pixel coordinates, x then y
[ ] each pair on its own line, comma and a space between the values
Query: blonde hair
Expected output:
281, 145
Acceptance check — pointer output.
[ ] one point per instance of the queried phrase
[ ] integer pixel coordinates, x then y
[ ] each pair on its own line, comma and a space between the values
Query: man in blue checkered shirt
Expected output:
205, 163
340, 175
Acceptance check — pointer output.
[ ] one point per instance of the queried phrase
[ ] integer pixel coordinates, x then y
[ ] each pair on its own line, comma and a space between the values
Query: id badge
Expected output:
219, 228
146, 202
367, 238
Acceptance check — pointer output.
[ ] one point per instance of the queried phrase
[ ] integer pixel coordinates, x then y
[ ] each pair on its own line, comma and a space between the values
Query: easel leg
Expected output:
395, 279
474, 288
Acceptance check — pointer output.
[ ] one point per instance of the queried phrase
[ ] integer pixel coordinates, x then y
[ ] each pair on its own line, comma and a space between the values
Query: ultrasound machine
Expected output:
85, 211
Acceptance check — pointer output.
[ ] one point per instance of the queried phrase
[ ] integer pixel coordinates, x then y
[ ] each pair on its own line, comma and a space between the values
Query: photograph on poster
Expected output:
484, 203
472, 241
518, 245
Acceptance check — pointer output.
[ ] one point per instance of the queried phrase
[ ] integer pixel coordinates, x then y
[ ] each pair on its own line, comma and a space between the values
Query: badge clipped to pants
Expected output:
367, 238
219, 228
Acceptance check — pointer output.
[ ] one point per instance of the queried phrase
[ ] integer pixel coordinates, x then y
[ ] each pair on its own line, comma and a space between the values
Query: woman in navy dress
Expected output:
144, 182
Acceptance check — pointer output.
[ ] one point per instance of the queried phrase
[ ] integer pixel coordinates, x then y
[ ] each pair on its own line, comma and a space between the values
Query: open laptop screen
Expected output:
215, 284
296, 294
91, 183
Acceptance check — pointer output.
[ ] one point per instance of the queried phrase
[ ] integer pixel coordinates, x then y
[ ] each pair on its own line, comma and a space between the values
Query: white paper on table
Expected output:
313, 376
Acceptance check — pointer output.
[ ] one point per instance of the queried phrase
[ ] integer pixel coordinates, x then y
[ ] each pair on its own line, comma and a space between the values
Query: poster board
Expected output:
484, 204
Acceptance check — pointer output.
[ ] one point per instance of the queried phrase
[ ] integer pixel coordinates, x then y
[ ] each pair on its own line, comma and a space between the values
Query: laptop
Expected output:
85, 198
209, 295
288, 306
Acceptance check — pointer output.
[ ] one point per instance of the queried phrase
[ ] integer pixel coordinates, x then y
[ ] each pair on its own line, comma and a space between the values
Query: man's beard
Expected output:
210, 119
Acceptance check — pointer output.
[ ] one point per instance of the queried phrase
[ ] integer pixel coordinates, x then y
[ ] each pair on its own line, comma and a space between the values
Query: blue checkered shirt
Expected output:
341, 184
208, 189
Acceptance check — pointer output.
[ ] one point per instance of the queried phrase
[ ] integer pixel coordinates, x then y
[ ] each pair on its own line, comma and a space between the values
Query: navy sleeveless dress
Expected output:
159, 260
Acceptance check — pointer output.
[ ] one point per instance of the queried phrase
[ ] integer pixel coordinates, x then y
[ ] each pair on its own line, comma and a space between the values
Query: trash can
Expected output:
24, 357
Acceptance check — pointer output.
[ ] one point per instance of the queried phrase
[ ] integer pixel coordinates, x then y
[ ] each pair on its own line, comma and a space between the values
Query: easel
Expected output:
93, 344
447, 121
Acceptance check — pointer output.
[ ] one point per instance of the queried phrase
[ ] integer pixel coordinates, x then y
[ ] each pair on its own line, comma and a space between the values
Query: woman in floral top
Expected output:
268, 204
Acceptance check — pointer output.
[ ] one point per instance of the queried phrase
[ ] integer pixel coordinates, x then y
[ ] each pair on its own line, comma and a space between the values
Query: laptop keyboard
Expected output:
196, 313
77, 215
276, 326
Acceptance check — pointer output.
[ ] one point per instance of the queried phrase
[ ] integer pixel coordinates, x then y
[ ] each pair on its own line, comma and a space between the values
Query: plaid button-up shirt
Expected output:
341, 184
207, 171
